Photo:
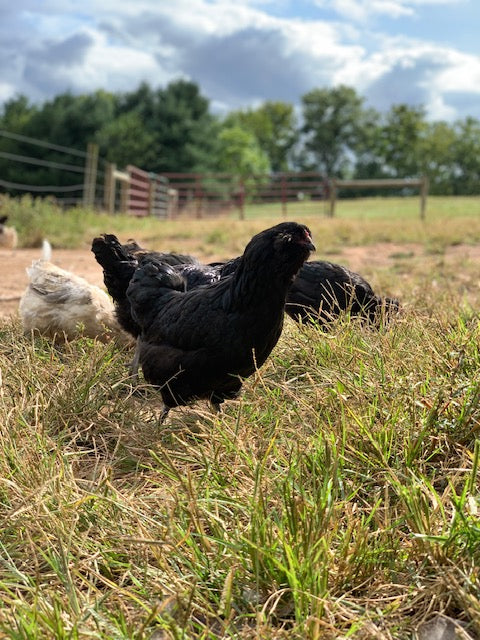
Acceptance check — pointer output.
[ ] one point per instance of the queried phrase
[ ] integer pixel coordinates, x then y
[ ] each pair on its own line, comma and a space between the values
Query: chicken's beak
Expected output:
309, 243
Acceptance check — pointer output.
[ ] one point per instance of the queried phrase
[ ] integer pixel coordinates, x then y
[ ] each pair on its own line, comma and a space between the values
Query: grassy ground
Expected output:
362, 221
338, 498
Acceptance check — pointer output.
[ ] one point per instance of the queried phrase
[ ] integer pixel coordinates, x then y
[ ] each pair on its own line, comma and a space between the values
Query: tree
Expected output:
437, 159
184, 129
73, 121
332, 122
16, 114
402, 133
69, 121
240, 155
466, 154
369, 148
274, 126
142, 101
125, 141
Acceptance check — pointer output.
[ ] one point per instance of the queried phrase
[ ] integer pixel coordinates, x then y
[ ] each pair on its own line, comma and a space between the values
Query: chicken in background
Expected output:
321, 291
61, 305
201, 343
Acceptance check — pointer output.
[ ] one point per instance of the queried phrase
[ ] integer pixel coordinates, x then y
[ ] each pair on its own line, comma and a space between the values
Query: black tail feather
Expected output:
118, 269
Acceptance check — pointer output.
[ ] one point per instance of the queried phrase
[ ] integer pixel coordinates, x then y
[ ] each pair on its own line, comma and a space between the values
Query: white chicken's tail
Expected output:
46, 251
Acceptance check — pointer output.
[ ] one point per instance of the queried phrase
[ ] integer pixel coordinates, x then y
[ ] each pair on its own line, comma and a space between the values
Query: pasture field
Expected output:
338, 497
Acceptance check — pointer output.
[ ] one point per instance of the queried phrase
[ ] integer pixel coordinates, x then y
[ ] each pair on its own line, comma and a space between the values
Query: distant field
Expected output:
374, 208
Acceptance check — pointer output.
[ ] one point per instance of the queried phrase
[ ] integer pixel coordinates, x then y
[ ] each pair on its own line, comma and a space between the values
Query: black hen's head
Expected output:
286, 245
3, 220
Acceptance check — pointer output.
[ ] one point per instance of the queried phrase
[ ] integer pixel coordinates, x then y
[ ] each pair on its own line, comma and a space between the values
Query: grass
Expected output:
337, 498
449, 221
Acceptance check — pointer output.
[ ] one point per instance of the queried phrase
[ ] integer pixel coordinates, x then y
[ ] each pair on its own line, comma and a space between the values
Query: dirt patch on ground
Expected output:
364, 259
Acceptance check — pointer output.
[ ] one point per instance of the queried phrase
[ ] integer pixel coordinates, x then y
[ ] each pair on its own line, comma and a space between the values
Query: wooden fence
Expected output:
421, 184
141, 193
202, 195
138, 192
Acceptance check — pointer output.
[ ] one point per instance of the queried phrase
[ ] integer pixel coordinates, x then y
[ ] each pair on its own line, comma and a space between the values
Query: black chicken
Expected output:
323, 290
201, 343
119, 262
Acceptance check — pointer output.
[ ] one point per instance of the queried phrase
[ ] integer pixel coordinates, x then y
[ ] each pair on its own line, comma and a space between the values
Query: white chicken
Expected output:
61, 305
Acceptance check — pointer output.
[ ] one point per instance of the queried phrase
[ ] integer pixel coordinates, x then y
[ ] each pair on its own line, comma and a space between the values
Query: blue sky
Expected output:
243, 52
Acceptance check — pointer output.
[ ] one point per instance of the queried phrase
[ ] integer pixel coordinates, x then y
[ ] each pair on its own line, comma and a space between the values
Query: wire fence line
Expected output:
47, 167
42, 143
46, 189
42, 163
45, 175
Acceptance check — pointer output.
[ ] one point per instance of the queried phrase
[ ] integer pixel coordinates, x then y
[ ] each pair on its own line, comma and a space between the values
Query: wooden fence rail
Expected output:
142, 193
137, 192
394, 183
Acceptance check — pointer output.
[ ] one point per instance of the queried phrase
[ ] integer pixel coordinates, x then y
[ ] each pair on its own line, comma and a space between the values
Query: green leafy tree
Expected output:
185, 131
240, 154
403, 132
142, 101
16, 114
466, 153
14, 118
332, 123
437, 157
73, 121
274, 125
125, 140
369, 148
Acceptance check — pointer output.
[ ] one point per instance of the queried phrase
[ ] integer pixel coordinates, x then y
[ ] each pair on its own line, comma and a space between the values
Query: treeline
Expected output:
173, 129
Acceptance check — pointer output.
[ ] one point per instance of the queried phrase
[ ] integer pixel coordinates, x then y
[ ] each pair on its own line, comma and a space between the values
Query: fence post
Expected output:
124, 193
198, 196
241, 199
90, 175
109, 188
333, 197
423, 197
284, 196
152, 194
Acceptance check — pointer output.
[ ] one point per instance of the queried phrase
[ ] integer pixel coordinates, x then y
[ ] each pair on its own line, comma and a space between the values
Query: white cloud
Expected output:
237, 53
362, 10
7, 91
114, 66
462, 73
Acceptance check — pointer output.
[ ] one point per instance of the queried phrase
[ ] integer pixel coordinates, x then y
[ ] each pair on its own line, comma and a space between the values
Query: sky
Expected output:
244, 52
